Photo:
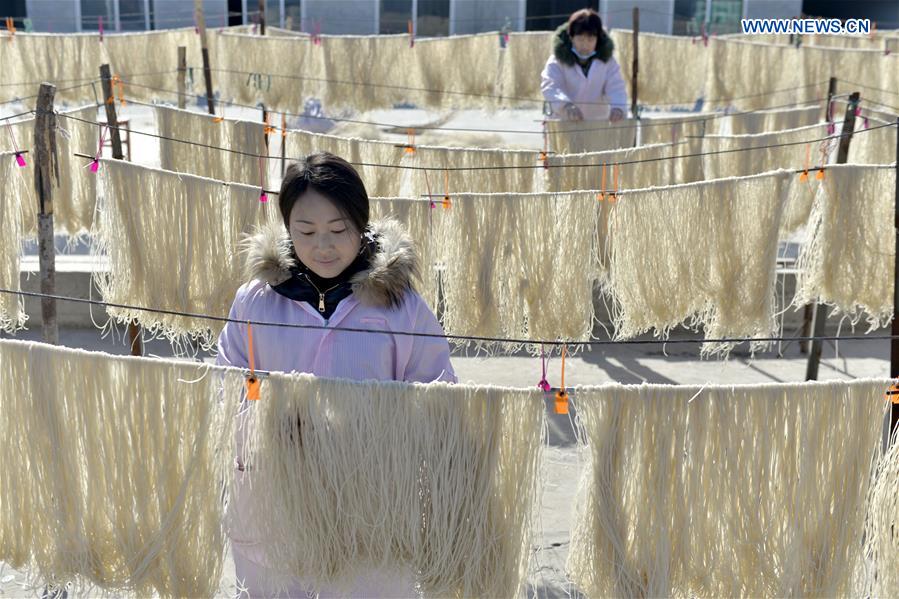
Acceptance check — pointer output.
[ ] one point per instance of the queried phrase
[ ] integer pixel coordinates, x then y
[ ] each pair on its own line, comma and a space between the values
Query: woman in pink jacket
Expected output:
581, 80
328, 266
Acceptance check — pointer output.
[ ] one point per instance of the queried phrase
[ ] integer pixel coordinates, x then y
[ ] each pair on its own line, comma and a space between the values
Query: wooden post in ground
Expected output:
134, 334
182, 76
283, 144
831, 92
261, 17
814, 355
207, 72
46, 167
894, 330
634, 67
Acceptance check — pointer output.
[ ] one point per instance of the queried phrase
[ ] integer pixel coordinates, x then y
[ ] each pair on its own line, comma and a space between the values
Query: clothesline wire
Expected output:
491, 168
881, 106
514, 341
58, 89
12, 116
422, 197
83, 79
876, 89
481, 95
643, 123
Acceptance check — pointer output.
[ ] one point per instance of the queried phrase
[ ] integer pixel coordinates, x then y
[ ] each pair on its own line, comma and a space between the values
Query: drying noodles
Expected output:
115, 470
661, 82
172, 243
728, 491
576, 137
765, 121
848, 262
700, 254
12, 194
436, 479
197, 130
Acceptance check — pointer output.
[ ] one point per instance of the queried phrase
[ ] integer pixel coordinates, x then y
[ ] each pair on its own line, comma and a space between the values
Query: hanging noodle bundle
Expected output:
437, 480
202, 156
115, 470
703, 253
848, 261
520, 265
13, 192
777, 119
730, 491
172, 242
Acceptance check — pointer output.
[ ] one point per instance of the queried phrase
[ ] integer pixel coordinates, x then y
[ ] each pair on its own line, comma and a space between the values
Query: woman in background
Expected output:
581, 80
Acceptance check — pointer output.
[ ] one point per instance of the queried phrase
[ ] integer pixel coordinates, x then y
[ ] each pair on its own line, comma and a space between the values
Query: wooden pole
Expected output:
261, 17
115, 137
831, 92
814, 355
894, 343
283, 144
182, 76
207, 72
265, 124
635, 63
808, 312
46, 167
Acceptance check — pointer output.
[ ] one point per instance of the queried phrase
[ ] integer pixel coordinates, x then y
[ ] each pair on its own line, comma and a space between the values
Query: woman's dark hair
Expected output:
331, 176
586, 21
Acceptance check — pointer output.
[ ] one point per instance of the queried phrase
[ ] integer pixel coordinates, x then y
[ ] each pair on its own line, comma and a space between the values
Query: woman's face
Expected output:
584, 43
323, 238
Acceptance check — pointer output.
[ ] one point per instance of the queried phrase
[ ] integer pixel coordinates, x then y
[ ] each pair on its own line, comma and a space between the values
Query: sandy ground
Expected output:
675, 363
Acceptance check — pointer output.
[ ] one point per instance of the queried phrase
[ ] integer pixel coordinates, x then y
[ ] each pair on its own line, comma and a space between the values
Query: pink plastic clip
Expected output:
858, 111
831, 128
100, 23
543, 384
95, 165
20, 159
263, 197
865, 120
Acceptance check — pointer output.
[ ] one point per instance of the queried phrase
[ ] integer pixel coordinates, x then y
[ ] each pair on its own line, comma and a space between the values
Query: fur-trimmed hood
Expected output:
562, 46
269, 257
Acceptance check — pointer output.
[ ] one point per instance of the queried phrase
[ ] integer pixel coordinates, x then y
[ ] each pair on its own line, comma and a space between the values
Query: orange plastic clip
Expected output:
808, 158
410, 147
602, 185
820, 174
562, 394
613, 197
447, 203
11, 27
893, 393
411, 34
117, 83
253, 382
284, 125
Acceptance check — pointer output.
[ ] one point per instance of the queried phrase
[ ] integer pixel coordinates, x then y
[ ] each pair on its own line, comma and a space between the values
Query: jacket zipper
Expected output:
321, 295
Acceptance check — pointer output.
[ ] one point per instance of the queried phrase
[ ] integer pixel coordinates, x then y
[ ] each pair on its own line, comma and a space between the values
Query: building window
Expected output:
433, 18
549, 14
395, 16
